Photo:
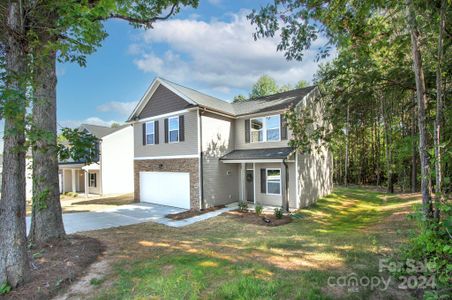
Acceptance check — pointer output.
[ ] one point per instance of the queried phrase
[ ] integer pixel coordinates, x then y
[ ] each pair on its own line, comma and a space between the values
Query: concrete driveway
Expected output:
120, 216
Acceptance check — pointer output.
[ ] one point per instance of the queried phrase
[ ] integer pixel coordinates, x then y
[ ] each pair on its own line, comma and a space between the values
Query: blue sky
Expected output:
209, 48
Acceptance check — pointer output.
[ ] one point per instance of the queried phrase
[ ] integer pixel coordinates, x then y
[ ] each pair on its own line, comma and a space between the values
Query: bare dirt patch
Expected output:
263, 219
57, 264
193, 213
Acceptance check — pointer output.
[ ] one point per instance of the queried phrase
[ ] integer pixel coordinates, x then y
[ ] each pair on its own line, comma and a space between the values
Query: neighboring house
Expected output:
194, 151
111, 173
28, 174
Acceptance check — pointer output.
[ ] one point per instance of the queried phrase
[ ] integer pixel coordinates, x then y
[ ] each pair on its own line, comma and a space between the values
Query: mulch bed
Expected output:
56, 265
193, 213
252, 218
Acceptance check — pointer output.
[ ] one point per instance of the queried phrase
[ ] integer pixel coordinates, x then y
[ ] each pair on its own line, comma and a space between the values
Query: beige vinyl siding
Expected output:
219, 179
315, 176
240, 135
315, 170
188, 147
274, 200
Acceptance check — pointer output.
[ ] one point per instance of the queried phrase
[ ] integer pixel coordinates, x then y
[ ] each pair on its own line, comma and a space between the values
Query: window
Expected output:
274, 181
150, 133
173, 129
272, 128
92, 180
265, 129
257, 130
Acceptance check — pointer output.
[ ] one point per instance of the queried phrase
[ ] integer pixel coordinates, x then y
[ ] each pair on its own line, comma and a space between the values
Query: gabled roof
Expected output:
101, 131
201, 99
274, 102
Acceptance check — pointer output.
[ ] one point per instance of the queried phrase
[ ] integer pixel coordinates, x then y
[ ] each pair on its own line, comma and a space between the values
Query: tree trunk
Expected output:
414, 150
47, 221
422, 104
14, 265
388, 151
347, 141
439, 108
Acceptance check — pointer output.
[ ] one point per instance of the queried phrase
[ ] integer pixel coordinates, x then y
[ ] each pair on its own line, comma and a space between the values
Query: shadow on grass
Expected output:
222, 258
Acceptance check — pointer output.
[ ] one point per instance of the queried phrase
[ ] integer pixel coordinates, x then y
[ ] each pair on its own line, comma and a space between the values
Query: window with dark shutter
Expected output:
263, 181
181, 128
156, 131
166, 130
283, 127
144, 133
247, 130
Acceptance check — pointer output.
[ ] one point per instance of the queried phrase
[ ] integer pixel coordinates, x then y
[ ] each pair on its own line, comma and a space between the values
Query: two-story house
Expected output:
192, 150
112, 171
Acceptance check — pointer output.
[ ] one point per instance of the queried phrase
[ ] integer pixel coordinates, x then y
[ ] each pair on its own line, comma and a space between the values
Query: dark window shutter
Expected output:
181, 128
166, 130
263, 181
247, 130
283, 126
156, 132
144, 133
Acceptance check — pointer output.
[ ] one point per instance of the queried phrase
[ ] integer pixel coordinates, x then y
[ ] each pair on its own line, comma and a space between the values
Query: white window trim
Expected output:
264, 128
178, 130
153, 133
266, 181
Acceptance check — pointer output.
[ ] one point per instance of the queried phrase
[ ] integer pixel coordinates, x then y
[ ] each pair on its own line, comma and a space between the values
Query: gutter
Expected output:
201, 167
286, 183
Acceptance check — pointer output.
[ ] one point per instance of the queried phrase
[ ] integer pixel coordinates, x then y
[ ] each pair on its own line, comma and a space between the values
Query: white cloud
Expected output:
123, 108
219, 55
90, 120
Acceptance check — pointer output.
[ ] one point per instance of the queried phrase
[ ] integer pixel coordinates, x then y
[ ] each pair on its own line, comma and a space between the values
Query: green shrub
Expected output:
430, 246
258, 208
243, 206
5, 288
278, 213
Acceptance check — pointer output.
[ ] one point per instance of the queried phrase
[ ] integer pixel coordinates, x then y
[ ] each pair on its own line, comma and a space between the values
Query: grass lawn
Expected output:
221, 258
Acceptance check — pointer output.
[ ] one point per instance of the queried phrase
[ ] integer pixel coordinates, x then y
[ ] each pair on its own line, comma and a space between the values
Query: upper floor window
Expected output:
265, 129
173, 129
150, 133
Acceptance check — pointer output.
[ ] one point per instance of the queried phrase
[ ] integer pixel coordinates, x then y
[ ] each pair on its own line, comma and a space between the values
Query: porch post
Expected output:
63, 178
86, 183
74, 182
243, 182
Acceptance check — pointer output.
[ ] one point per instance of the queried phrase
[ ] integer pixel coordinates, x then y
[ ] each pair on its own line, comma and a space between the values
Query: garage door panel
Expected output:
165, 188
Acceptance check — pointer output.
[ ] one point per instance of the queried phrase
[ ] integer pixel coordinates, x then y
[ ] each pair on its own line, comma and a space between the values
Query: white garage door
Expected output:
166, 188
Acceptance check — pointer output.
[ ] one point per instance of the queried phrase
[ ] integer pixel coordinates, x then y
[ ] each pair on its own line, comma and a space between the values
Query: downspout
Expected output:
286, 185
201, 173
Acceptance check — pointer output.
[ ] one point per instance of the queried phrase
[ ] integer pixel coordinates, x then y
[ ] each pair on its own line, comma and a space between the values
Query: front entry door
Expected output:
249, 185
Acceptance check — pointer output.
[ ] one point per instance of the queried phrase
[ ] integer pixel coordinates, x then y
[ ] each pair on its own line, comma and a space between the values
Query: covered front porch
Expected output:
79, 178
266, 176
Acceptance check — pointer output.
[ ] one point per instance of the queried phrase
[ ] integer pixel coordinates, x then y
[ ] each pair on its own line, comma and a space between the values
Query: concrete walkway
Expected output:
129, 214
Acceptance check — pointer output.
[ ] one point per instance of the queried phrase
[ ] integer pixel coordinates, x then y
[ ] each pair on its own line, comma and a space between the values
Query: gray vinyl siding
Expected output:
240, 135
219, 179
188, 147
163, 101
274, 200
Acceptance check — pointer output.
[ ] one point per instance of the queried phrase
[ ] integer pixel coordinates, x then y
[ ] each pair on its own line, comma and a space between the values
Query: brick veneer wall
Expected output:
190, 165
